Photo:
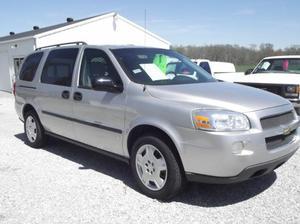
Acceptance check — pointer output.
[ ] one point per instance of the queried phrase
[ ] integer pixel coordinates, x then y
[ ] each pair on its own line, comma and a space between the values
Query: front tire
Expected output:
155, 168
34, 131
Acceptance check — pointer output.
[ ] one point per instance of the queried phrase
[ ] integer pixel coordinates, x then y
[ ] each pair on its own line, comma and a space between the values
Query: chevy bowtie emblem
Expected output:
287, 131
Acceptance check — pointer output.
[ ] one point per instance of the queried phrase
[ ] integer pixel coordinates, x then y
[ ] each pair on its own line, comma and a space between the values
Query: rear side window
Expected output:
59, 66
30, 66
205, 66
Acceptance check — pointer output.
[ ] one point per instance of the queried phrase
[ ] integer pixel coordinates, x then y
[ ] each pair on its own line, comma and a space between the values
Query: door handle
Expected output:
65, 94
77, 96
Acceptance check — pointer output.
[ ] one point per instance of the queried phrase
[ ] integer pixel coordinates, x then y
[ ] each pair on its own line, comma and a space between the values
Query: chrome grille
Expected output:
277, 120
278, 89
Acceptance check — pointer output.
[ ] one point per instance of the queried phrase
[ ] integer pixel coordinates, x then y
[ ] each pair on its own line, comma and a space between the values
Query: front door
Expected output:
99, 114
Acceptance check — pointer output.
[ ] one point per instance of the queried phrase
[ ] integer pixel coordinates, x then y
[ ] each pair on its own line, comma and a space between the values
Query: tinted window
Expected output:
96, 64
59, 66
30, 66
205, 66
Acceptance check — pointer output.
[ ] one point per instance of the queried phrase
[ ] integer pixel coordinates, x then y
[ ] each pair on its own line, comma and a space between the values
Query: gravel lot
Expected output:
63, 183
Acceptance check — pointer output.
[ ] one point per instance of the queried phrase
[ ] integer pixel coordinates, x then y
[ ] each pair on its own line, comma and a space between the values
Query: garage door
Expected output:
5, 83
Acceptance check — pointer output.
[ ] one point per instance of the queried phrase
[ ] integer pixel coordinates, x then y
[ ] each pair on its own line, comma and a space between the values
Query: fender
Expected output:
157, 123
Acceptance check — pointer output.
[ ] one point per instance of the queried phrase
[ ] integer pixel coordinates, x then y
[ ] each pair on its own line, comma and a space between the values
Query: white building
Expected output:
109, 28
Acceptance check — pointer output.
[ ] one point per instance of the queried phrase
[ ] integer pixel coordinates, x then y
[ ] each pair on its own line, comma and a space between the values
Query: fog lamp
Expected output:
237, 147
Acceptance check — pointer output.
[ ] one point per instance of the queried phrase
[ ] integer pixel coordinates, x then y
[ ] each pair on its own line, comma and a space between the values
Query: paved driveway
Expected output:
63, 183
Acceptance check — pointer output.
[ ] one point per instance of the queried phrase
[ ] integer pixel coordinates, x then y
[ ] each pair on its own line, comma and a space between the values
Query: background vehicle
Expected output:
215, 67
279, 75
156, 110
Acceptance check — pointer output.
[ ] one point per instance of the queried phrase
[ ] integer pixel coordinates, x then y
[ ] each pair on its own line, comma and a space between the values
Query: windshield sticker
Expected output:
136, 71
154, 72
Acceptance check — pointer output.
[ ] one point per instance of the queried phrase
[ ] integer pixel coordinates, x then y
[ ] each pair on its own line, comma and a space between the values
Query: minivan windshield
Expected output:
283, 65
153, 66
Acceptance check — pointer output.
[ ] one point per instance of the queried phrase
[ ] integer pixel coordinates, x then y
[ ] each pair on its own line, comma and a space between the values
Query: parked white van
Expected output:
215, 67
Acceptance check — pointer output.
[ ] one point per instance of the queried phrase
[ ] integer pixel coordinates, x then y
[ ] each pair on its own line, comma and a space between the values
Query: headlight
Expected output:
291, 91
220, 120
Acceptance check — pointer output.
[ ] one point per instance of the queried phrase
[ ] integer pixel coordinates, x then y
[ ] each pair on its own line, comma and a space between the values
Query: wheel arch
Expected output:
27, 107
144, 129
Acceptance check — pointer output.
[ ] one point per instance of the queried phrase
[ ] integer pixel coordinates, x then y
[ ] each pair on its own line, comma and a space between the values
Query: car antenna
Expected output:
144, 88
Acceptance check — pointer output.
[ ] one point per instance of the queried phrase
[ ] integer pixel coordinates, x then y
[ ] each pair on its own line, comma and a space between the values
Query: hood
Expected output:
270, 78
223, 95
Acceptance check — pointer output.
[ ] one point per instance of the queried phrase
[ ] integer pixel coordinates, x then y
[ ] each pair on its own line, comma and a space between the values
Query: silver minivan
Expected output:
158, 111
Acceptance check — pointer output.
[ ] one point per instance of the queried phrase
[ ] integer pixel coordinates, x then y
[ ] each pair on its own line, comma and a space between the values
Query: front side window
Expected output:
30, 66
290, 65
154, 66
59, 66
96, 64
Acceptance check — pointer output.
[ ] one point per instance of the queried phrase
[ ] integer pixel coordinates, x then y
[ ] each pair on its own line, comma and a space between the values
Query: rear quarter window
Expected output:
30, 66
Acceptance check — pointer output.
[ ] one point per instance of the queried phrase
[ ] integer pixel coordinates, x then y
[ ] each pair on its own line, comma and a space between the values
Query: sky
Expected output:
188, 22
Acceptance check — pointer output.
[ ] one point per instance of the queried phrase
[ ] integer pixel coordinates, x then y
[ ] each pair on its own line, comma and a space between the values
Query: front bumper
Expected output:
247, 174
213, 154
295, 102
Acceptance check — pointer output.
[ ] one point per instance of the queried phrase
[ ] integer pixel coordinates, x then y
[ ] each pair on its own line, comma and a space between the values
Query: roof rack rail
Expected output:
62, 44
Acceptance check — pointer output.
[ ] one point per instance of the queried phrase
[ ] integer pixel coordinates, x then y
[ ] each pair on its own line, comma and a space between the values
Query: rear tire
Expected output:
34, 131
155, 168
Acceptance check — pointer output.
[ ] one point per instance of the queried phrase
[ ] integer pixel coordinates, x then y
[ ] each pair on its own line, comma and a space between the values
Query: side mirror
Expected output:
106, 84
249, 71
